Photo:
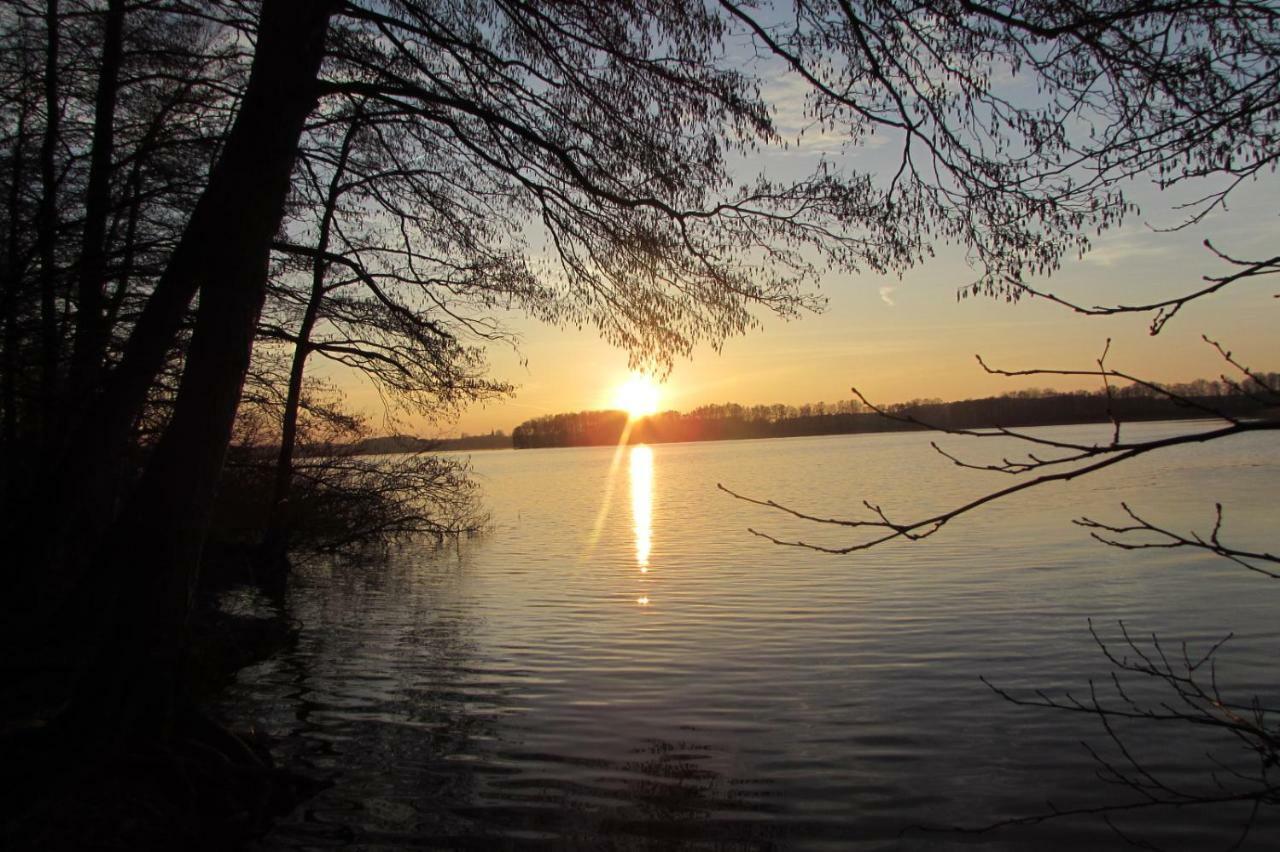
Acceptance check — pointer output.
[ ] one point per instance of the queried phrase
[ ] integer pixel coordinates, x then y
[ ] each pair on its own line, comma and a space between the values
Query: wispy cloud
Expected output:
886, 294
1119, 248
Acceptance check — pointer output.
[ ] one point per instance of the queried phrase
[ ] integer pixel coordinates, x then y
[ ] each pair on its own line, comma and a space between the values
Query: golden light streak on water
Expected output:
642, 502
603, 514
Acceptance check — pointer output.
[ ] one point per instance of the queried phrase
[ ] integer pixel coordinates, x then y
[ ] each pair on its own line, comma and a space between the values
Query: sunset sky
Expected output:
903, 338
898, 339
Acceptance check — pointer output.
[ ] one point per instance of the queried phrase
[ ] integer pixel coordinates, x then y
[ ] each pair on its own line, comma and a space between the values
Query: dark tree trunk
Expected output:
91, 332
272, 559
11, 276
47, 230
223, 246
148, 566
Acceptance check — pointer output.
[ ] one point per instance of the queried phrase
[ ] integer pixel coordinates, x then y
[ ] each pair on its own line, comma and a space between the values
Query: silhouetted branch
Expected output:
1256, 380
1164, 309
1106, 375
1194, 699
1080, 458
1120, 536
1102, 457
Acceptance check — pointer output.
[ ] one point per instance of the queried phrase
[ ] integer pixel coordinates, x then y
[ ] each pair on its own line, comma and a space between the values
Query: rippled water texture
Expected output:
620, 664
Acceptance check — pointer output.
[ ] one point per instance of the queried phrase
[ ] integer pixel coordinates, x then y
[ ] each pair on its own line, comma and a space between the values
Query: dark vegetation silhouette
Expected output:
200, 198
198, 194
1040, 407
340, 501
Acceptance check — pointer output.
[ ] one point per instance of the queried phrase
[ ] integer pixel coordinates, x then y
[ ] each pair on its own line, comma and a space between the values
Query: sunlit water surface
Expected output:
620, 664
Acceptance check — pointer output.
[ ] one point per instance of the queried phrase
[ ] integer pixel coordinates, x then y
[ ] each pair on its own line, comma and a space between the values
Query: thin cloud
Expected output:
886, 295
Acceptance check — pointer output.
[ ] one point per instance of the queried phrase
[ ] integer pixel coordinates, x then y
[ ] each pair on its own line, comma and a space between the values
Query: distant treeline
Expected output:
1038, 407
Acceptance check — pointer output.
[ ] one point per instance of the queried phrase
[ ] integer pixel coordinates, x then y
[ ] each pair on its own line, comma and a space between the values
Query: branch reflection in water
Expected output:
642, 506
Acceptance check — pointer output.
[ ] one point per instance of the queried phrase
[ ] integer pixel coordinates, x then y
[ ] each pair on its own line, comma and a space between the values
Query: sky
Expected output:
900, 338
905, 337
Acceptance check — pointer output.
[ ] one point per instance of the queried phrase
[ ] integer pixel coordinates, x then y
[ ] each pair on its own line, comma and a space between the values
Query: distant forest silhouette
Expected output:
1034, 407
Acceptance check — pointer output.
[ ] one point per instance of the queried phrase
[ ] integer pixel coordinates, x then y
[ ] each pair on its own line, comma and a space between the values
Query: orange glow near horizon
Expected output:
638, 396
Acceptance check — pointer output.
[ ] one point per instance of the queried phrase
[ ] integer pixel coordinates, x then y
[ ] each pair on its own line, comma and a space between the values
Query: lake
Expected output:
619, 664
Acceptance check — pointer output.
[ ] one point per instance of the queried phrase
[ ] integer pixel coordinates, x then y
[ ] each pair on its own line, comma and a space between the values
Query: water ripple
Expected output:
526, 690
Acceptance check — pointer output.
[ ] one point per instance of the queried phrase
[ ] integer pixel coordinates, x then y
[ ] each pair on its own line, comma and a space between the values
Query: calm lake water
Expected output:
619, 664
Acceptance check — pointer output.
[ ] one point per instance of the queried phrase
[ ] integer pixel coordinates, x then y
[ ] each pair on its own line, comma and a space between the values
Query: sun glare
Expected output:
638, 397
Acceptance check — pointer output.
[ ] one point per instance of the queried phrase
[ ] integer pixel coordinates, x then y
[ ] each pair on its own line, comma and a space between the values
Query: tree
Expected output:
114, 213
409, 348
609, 129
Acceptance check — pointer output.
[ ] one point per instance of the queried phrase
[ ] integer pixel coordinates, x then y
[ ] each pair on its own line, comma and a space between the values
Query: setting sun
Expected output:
638, 397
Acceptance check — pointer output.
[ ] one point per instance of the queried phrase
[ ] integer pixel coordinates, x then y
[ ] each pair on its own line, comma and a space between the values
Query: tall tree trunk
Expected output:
151, 558
47, 230
11, 276
91, 333
223, 254
271, 560
272, 552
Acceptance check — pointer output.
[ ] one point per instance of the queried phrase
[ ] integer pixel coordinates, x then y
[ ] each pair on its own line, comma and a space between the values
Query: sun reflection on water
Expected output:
642, 502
